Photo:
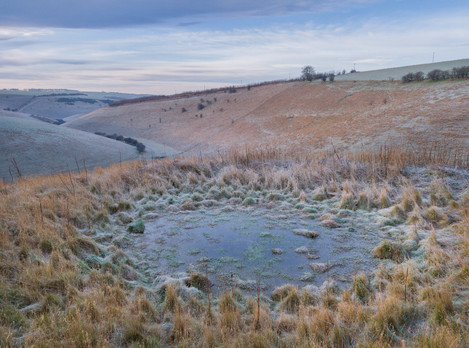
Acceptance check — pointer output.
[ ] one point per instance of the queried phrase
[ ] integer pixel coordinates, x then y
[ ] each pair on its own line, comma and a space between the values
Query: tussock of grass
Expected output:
291, 302
362, 287
398, 213
171, 300
347, 201
391, 316
391, 251
81, 245
282, 291
199, 281
45, 245
230, 319
137, 226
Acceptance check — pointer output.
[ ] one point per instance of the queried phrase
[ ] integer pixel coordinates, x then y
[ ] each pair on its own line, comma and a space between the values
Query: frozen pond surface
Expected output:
244, 243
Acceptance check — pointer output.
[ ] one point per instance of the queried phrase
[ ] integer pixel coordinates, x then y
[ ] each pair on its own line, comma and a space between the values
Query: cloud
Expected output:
68, 62
10, 33
120, 13
154, 59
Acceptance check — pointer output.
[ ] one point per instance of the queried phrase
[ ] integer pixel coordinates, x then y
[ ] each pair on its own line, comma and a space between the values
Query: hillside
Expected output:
41, 148
350, 115
57, 104
398, 72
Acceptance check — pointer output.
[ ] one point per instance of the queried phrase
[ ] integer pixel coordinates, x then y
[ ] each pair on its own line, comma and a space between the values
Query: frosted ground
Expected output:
242, 237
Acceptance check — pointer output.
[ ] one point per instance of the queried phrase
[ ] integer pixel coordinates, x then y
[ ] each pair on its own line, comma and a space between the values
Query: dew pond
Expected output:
237, 248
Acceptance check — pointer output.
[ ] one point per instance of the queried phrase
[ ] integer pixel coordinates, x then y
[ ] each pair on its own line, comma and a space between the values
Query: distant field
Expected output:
397, 73
42, 148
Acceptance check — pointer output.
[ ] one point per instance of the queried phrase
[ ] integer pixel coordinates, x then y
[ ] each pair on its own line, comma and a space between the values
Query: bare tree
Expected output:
307, 73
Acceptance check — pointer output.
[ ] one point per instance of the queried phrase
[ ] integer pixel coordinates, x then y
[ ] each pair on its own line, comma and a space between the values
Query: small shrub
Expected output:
408, 77
437, 75
140, 147
419, 76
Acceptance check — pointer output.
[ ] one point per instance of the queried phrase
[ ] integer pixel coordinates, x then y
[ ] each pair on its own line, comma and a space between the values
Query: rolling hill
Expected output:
398, 72
41, 148
57, 104
346, 115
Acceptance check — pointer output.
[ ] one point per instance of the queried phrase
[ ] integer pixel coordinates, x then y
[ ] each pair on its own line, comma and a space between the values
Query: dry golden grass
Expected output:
52, 293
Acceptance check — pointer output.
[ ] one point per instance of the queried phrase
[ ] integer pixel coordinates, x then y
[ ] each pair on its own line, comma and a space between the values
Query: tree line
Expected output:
130, 141
438, 75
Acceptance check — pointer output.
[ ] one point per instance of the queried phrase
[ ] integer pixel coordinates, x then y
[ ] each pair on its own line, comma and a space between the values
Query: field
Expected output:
82, 254
397, 73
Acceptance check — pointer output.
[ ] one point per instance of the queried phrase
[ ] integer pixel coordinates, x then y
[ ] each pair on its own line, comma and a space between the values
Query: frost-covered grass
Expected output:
63, 282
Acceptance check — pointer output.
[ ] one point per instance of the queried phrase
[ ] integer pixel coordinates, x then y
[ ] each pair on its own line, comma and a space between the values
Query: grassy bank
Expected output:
63, 284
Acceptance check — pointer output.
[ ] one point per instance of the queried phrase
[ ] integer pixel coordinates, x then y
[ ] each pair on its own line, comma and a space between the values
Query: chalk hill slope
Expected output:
350, 115
42, 148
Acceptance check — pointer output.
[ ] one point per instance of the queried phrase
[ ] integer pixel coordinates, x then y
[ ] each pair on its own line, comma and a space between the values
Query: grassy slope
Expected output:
42, 148
352, 115
397, 73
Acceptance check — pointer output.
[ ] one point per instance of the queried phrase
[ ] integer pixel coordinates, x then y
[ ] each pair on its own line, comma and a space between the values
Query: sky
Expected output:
165, 47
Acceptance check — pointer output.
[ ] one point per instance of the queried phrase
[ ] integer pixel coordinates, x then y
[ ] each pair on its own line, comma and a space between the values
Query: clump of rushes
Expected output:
137, 226
291, 302
384, 200
362, 287
347, 201
230, 314
171, 300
